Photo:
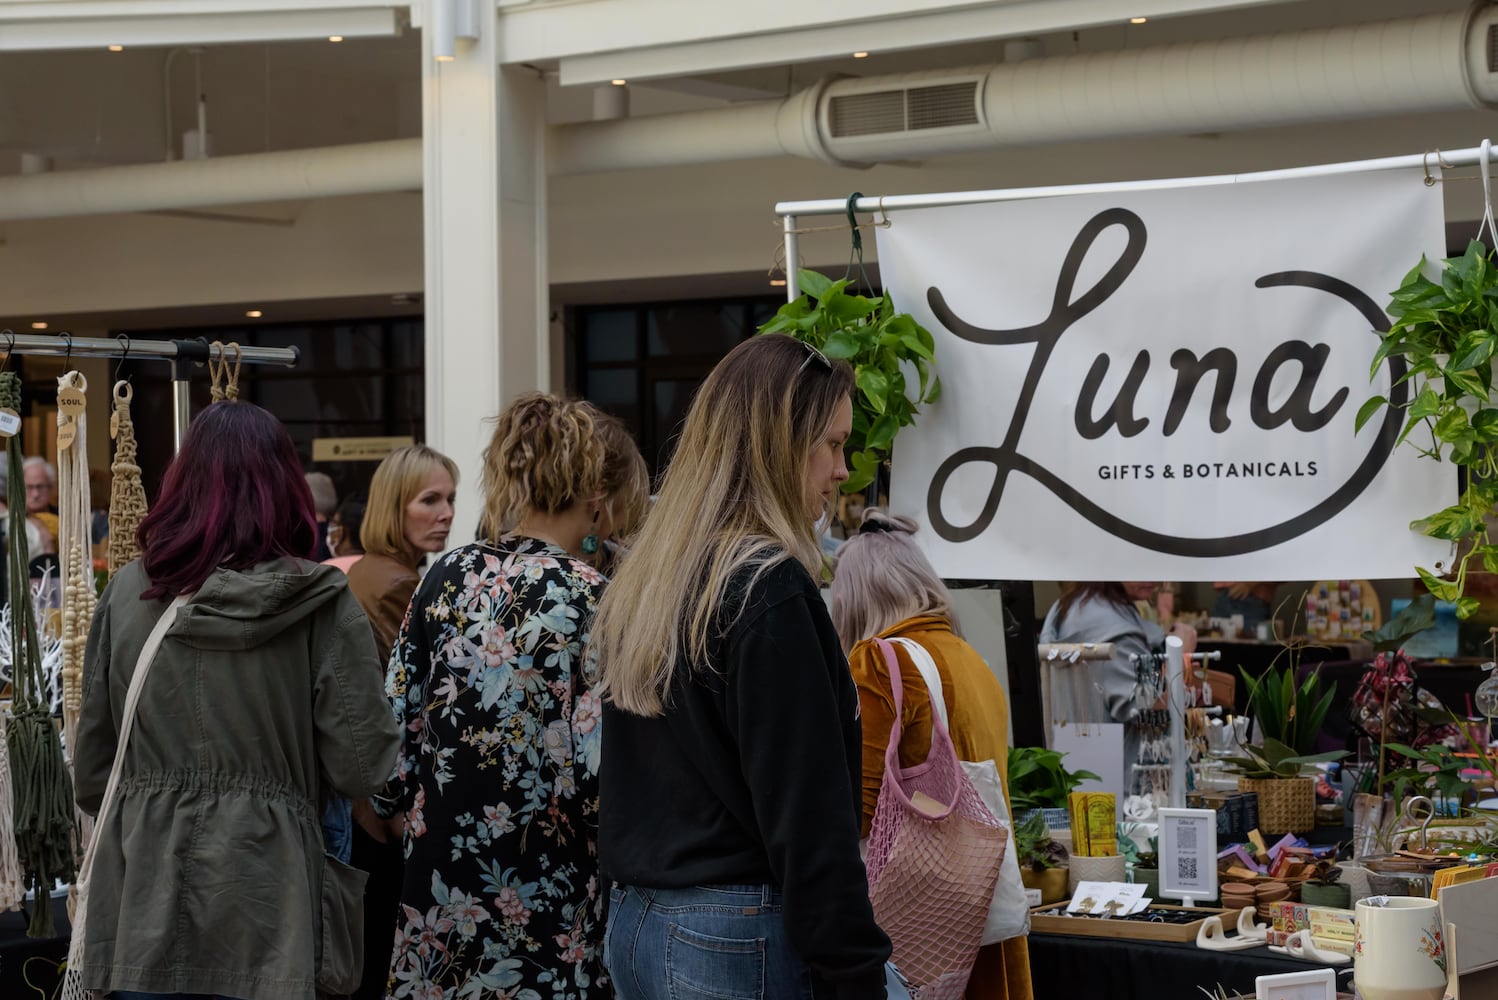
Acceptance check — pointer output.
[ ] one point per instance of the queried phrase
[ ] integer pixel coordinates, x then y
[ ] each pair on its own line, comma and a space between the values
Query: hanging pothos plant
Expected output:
1446, 329
879, 343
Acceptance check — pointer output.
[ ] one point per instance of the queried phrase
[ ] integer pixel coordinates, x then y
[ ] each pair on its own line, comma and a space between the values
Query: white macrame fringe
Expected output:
12, 880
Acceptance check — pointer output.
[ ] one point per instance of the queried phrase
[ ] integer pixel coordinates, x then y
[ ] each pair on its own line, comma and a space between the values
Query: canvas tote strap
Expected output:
132, 696
921, 657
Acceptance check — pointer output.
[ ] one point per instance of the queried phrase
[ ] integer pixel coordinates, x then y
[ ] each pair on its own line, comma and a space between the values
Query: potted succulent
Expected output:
1042, 859
1039, 782
882, 345
1322, 888
1445, 329
1143, 864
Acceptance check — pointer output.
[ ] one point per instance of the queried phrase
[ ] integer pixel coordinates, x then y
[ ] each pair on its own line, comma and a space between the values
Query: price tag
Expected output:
67, 433
71, 402
10, 423
114, 425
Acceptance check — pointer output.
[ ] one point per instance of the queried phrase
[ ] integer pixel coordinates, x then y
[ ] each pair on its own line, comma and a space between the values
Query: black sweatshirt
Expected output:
753, 776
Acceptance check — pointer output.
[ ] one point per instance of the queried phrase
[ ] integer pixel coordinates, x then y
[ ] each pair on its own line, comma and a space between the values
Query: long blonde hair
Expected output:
545, 455
881, 578
732, 497
398, 480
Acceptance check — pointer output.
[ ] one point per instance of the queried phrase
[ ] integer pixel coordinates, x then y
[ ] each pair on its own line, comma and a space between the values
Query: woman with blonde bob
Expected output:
408, 517
497, 777
731, 742
885, 588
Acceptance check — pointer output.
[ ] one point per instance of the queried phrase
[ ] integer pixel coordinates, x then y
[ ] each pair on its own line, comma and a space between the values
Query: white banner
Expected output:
1162, 385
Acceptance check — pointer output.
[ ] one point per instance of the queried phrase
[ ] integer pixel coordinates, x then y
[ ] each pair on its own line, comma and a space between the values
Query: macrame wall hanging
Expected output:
75, 550
42, 787
127, 497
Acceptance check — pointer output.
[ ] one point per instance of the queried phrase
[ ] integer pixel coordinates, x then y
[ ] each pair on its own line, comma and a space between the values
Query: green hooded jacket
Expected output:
264, 695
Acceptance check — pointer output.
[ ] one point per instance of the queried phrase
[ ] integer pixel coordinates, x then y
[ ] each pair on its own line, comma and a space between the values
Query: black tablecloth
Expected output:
32, 970
1063, 967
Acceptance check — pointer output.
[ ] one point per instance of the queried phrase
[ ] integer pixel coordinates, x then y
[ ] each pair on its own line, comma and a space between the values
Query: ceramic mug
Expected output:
1400, 951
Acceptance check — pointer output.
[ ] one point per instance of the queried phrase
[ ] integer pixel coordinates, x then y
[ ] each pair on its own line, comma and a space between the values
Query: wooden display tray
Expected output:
1052, 920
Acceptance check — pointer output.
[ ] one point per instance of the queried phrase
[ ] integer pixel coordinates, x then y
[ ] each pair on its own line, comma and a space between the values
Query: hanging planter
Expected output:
882, 345
1445, 329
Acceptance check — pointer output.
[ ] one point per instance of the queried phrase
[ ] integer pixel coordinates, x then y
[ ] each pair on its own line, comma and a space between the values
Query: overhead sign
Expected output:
359, 449
1162, 385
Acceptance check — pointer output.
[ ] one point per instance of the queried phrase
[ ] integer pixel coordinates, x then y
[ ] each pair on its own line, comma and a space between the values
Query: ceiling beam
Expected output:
201, 22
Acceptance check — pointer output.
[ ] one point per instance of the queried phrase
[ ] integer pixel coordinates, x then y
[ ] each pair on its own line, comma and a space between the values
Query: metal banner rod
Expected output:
1432, 161
160, 350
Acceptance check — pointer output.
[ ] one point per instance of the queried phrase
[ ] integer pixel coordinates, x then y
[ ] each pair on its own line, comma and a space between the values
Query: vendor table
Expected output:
31, 969
1065, 966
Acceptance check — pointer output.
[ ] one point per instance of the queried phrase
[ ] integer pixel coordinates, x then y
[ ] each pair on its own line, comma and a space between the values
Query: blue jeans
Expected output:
710, 941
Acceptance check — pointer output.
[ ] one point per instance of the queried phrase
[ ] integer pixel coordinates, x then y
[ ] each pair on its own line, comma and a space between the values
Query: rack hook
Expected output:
10, 347
67, 338
125, 339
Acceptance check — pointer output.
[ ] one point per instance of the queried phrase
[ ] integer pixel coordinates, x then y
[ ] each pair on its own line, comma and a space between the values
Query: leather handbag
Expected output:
935, 852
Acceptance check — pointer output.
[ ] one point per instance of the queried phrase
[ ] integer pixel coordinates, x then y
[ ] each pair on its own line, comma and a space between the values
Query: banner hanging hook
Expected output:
1485, 169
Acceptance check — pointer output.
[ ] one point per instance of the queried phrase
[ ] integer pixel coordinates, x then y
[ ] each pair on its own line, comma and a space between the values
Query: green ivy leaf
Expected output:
1367, 410
813, 283
1426, 404
874, 385
882, 434
864, 464
1444, 590
935, 392
1466, 607
842, 345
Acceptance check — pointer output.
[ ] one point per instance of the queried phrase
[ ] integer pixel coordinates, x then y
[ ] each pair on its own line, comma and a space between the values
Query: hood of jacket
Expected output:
242, 609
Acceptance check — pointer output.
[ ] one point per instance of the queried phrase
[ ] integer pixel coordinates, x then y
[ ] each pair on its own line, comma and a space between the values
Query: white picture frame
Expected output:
1188, 854
1317, 984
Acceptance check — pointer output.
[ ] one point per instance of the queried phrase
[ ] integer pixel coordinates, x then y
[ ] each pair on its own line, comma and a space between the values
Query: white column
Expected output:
484, 153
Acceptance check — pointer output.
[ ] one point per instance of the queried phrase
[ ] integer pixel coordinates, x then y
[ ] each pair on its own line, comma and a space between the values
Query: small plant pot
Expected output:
1051, 882
1286, 805
1109, 868
1335, 894
1150, 879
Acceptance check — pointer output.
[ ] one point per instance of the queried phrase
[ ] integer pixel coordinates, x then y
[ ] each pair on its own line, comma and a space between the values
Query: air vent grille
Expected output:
868, 114
944, 105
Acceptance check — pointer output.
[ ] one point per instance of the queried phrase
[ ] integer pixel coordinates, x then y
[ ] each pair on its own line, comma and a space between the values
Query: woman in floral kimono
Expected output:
498, 771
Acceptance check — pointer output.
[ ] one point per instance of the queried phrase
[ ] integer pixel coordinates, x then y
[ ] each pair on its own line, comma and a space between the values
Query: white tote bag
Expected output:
1009, 913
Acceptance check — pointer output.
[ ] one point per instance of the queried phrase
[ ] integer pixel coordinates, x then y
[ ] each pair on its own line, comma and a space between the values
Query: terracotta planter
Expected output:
1286, 805
1051, 882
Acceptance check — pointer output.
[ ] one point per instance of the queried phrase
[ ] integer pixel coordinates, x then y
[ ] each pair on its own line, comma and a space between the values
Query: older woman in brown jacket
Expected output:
409, 514
885, 587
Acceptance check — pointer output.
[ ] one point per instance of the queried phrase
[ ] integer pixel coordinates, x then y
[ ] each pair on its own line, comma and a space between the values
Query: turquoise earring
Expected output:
590, 540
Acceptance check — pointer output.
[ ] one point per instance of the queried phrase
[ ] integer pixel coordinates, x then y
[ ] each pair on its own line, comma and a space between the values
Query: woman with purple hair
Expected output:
209, 876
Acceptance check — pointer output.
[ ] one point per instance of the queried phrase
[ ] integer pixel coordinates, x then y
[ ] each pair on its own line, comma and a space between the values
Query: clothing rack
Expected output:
183, 354
1074, 652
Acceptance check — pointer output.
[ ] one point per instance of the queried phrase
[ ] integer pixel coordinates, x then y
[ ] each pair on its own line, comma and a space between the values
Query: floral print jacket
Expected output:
498, 779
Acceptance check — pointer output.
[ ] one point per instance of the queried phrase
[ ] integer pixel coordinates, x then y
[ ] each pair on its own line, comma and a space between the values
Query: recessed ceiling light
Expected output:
39, 325
777, 282
335, 38
444, 58
1138, 20
860, 55
117, 48
619, 83
253, 313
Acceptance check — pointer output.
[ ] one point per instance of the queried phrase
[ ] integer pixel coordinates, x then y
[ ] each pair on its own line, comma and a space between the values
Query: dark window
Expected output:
644, 363
355, 378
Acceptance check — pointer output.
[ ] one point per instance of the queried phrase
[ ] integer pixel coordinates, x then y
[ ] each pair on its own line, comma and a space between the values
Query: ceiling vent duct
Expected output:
908, 109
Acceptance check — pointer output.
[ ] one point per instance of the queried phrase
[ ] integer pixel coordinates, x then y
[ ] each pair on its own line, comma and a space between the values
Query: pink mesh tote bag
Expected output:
935, 853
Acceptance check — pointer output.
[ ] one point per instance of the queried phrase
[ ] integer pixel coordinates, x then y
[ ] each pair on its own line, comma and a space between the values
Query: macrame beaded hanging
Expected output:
74, 543
43, 789
127, 497
75, 549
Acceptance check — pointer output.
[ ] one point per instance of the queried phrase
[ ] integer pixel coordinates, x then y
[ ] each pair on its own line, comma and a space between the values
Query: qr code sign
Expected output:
1186, 869
1186, 837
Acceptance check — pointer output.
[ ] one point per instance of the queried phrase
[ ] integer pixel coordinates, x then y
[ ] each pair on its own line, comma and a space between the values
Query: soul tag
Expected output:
10, 422
67, 433
71, 402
